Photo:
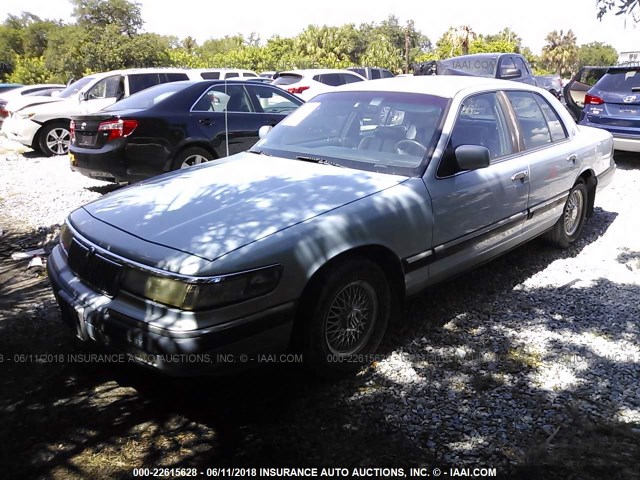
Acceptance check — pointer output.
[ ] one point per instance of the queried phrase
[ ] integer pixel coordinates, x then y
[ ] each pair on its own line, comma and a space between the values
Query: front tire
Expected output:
55, 139
346, 318
191, 156
569, 226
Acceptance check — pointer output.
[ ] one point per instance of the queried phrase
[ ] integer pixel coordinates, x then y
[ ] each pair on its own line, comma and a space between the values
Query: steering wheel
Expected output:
410, 147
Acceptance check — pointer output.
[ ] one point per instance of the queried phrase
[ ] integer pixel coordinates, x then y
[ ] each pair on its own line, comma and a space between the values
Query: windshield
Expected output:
477, 66
623, 81
380, 131
75, 87
149, 97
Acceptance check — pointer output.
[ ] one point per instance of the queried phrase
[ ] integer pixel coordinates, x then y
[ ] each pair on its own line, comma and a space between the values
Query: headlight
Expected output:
22, 115
201, 294
65, 236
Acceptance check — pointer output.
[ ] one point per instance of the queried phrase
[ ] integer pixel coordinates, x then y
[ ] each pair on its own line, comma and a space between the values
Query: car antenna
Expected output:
226, 118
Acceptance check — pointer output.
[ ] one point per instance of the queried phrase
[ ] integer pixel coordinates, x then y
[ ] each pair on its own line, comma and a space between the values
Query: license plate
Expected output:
84, 140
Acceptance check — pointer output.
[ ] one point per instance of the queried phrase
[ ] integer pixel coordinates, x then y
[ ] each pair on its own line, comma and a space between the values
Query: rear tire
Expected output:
569, 226
191, 156
54, 139
345, 318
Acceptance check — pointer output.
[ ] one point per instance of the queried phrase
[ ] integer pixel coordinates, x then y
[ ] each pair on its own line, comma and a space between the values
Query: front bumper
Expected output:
142, 329
21, 130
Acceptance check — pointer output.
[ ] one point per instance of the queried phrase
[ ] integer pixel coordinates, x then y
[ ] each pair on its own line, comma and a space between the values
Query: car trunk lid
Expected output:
87, 131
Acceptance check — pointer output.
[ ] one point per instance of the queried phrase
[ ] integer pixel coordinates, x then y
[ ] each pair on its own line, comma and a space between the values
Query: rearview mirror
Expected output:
507, 73
472, 157
264, 130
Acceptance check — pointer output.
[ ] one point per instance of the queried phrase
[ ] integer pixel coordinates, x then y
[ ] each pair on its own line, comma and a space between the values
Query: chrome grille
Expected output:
94, 269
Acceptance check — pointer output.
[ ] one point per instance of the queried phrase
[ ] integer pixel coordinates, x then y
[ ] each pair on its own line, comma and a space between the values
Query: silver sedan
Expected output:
308, 242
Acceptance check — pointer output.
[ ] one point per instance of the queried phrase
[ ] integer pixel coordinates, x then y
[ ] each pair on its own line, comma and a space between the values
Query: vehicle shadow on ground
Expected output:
67, 416
104, 189
627, 160
32, 154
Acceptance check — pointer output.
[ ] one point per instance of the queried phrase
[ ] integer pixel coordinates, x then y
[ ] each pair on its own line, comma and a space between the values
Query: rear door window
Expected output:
375, 73
210, 75
271, 100
553, 121
532, 121
332, 79
142, 81
232, 98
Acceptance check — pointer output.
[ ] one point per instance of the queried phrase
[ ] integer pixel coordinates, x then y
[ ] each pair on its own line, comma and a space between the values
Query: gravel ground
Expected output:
532, 359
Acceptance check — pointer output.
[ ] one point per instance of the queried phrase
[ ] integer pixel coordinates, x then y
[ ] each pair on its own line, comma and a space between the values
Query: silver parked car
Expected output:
361, 197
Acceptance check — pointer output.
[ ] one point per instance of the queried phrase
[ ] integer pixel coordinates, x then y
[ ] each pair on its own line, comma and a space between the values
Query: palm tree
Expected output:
561, 52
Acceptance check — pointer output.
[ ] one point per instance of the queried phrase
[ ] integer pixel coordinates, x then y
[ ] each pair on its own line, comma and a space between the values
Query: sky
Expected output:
204, 19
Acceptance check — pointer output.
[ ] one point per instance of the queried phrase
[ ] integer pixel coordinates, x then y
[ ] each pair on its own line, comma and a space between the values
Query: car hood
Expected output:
28, 101
213, 209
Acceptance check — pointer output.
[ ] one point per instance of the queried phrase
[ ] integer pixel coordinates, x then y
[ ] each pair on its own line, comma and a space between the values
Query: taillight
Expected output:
3, 112
297, 89
592, 100
72, 131
118, 128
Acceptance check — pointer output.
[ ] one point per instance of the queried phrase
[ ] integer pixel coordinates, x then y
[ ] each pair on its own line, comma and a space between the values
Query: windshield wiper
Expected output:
260, 152
321, 161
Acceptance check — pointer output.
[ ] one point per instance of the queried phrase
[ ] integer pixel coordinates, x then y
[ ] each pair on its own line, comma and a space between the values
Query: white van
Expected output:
42, 123
225, 73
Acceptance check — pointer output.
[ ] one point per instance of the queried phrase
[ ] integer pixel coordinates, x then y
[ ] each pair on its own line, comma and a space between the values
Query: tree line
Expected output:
106, 35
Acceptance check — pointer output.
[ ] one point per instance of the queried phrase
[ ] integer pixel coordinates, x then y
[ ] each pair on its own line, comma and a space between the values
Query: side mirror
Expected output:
472, 157
264, 130
83, 96
509, 73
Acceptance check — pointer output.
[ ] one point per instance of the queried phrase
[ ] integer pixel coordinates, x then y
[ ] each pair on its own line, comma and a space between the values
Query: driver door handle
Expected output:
522, 176
207, 122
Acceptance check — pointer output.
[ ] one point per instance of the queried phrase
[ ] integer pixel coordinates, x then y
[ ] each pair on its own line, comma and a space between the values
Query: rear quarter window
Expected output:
348, 78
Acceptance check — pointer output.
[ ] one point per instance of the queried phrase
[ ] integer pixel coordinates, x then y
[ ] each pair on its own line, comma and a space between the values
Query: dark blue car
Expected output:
613, 104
